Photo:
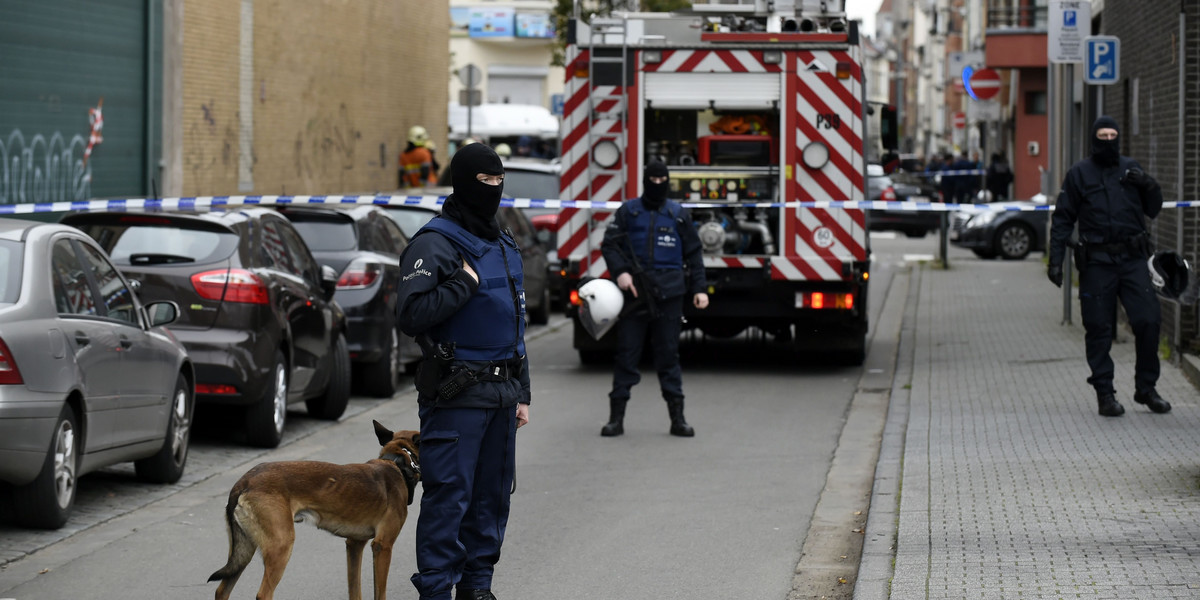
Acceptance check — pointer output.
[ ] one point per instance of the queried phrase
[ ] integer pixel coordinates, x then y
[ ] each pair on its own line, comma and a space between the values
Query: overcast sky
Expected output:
865, 10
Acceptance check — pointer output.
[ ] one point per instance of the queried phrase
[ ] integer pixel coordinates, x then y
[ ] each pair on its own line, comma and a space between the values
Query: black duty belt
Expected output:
501, 370
1117, 248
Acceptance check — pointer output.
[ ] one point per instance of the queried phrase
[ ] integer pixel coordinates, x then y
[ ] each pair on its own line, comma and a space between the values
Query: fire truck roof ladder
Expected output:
603, 29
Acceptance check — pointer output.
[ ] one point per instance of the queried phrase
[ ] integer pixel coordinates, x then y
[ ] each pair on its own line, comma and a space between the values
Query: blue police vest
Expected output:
491, 325
653, 236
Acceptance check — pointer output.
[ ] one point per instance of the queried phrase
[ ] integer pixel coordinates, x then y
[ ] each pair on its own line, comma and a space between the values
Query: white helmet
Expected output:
1169, 274
602, 302
417, 135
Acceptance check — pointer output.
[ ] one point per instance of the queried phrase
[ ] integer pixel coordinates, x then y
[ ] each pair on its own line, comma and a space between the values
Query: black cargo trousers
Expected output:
1102, 282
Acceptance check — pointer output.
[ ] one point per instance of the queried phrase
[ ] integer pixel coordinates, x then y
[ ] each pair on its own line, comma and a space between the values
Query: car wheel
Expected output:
382, 377
1014, 241
541, 314
332, 403
167, 465
46, 502
987, 254
265, 418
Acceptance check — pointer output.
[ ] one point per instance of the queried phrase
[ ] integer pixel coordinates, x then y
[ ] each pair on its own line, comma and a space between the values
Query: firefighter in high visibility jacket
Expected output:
652, 250
418, 167
462, 297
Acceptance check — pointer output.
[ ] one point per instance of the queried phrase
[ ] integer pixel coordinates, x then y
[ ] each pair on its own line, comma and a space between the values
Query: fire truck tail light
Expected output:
581, 72
574, 298
772, 57
824, 300
843, 70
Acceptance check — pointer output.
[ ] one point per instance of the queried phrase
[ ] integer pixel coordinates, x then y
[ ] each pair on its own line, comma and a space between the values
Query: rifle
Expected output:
641, 280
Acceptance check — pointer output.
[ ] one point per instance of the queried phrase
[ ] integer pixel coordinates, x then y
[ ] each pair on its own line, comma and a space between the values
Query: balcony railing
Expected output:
1003, 15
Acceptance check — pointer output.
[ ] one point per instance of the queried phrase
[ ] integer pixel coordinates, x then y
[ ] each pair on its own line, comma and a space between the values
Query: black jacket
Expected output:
433, 286
1109, 209
670, 283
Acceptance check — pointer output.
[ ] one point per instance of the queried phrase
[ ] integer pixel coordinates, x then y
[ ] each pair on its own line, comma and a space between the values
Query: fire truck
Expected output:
758, 108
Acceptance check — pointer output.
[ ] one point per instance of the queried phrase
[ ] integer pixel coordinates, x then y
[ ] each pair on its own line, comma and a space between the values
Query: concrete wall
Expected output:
310, 98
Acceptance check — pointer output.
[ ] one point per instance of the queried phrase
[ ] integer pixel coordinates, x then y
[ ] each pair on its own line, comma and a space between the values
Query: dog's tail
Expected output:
241, 545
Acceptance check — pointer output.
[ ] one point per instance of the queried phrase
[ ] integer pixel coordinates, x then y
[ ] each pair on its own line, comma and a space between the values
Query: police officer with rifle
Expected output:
462, 297
1110, 197
652, 250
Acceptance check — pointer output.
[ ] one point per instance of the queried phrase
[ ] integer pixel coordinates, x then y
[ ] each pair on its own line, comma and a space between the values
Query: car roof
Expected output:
18, 229
532, 164
357, 212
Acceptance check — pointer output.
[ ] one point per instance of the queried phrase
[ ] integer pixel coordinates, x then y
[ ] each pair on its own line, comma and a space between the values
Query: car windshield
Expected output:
530, 184
410, 220
155, 245
10, 279
327, 235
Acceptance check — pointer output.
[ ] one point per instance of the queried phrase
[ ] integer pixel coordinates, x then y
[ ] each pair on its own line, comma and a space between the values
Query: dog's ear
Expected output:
382, 433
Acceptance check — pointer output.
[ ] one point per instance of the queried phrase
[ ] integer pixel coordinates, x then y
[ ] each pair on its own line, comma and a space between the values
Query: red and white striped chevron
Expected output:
816, 242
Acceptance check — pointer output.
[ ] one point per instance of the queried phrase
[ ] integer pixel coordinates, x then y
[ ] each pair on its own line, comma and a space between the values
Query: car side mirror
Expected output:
329, 279
161, 313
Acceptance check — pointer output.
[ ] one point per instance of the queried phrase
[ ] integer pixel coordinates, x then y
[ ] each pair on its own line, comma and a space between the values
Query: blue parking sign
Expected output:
1069, 18
556, 104
1103, 64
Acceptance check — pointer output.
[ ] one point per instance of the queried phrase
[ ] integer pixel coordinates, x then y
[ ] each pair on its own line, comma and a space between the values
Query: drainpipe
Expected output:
1180, 56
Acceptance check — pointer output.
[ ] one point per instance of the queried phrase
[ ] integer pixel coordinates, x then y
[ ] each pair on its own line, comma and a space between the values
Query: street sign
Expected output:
556, 104
1103, 65
984, 84
1069, 22
470, 97
960, 120
984, 110
470, 75
960, 65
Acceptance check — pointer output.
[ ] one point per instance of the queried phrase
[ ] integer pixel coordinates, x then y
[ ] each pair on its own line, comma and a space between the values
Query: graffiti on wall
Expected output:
211, 156
325, 150
38, 169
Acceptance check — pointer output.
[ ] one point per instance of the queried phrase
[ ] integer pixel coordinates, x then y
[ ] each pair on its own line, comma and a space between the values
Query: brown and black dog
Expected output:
359, 502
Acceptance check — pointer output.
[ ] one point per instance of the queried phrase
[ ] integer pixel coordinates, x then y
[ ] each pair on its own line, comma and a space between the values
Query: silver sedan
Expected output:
89, 377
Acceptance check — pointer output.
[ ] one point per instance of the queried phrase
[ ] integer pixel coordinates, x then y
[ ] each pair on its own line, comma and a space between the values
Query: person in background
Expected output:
1110, 196
504, 151
999, 177
652, 250
418, 167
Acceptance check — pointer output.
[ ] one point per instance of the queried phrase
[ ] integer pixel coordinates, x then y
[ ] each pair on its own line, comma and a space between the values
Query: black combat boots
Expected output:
469, 594
616, 418
1152, 400
679, 426
1109, 407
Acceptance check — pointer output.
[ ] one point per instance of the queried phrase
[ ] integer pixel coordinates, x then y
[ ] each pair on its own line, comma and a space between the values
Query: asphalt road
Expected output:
646, 515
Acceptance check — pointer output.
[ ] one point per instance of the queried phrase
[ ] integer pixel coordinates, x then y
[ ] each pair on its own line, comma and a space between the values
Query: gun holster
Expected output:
434, 368
1080, 253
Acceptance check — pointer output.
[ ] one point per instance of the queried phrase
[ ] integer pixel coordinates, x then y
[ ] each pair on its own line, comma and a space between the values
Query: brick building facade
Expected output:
309, 98
1146, 104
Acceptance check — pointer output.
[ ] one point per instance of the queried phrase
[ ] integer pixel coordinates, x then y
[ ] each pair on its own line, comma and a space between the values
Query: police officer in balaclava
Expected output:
473, 384
652, 251
1110, 197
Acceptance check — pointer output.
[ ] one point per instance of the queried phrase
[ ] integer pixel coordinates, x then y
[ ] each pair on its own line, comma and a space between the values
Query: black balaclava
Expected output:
474, 203
654, 194
1106, 153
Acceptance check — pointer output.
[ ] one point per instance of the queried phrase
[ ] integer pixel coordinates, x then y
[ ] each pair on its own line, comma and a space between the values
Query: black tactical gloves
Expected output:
1055, 274
1140, 180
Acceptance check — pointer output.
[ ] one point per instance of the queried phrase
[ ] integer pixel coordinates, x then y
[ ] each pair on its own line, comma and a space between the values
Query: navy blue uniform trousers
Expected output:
1100, 286
664, 343
468, 456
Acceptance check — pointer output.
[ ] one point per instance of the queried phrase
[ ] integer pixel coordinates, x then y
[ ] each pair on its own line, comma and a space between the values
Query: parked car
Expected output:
89, 377
258, 316
1009, 234
533, 252
363, 244
912, 223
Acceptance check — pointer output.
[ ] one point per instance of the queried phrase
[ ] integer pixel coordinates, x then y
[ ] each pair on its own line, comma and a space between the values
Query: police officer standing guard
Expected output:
652, 249
462, 297
1110, 196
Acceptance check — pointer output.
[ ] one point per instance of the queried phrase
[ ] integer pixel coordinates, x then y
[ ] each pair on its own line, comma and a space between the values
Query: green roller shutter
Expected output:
58, 59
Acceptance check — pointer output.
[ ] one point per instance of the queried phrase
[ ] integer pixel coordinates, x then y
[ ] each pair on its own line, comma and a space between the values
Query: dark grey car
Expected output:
257, 312
88, 375
1009, 234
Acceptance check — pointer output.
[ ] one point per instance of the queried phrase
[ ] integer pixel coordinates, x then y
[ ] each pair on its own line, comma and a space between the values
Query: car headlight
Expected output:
982, 219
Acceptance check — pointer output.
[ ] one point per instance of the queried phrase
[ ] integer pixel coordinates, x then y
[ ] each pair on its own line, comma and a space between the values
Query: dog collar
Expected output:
409, 469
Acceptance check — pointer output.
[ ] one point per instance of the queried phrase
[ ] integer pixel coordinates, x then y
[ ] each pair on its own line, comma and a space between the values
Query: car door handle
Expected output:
126, 343
82, 339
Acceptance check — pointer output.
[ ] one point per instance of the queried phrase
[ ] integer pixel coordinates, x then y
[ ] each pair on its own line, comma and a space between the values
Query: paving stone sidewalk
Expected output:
998, 479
